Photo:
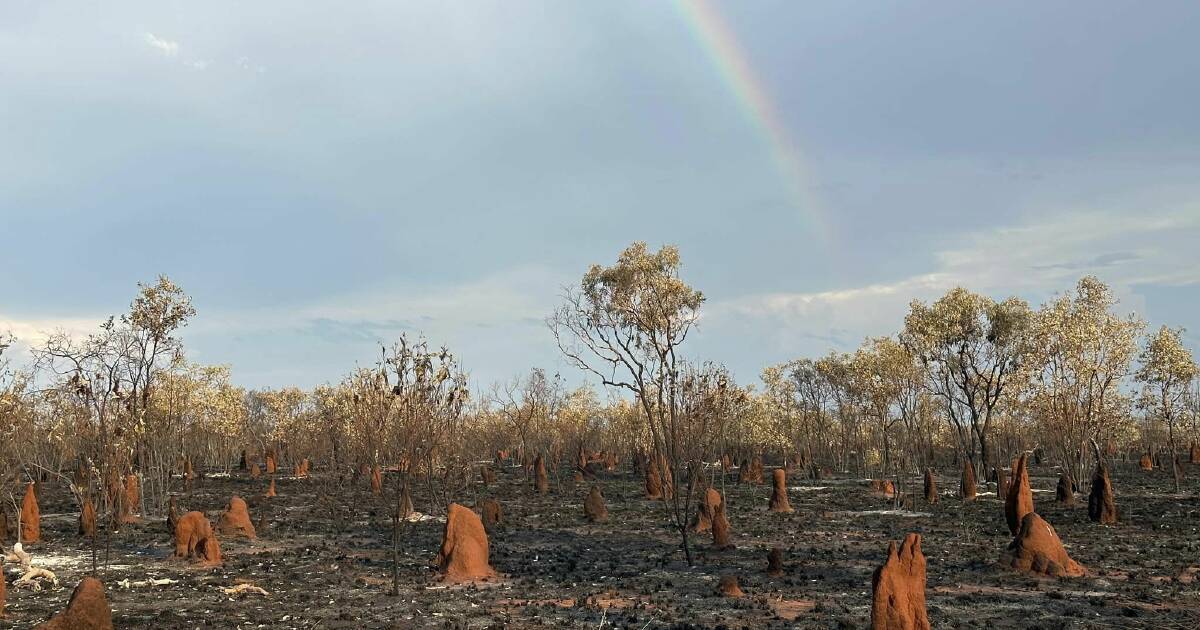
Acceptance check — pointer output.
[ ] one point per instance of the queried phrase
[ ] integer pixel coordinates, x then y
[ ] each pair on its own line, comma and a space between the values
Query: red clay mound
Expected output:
1064, 493
883, 488
594, 508
1001, 484
1102, 507
194, 539
751, 471
707, 506
464, 554
720, 524
133, 493
1019, 500
255, 471
931, 493
779, 496
1146, 463
1038, 549
493, 515
610, 462
235, 521
270, 490
653, 483
172, 516
487, 475
31, 516
406, 504
87, 519
87, 610
898, 589
775, 562
728, 587
271, 466
376, 480
540, 482
966, 486
1194, 455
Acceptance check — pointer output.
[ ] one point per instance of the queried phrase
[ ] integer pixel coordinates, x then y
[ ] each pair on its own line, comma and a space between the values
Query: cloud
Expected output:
1033, 261
165, 46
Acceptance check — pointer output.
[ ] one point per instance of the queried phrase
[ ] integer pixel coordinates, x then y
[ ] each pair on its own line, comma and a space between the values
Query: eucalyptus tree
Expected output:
1167, 371
972, 349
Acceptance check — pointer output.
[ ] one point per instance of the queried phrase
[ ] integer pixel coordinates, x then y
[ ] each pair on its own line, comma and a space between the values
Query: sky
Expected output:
321, 177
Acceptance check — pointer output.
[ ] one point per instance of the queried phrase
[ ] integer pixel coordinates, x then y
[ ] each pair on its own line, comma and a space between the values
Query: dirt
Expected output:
324, 558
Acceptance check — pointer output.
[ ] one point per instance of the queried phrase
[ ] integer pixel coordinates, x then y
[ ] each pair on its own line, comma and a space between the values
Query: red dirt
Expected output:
376, 480
194, 539
720, 524
87, 519
728, 586
775, 562
898, 588
1038, 549
31, 516
1145, 463
235, 520
492, 513
540, 482
464, 553
966, 486
702, 522
779, 496
1064, 493
653, 483
87, 610
1019, 500
931, 493
270, 490
594, 508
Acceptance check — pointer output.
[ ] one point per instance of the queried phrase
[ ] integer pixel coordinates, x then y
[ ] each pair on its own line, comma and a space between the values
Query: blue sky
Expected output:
320, 176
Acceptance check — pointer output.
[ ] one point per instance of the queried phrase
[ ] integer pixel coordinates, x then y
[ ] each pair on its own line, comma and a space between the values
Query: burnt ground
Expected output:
326, 561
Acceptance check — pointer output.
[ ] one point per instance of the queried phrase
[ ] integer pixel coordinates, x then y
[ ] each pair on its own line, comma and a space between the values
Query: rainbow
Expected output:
723, 50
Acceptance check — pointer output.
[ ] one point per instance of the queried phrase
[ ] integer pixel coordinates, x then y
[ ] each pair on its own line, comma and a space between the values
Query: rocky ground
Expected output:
325, 560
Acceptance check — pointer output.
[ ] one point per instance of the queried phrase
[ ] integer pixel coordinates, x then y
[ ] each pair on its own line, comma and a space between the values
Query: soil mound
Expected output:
271, 466
195, 539
931, 493
31, 516
775, 562
1038, 549
720, 524
1064, 493
707, 506
255, 471
1145, 463
728, 586
883, 488
540, 482
966, 486
1194, 455
464, 554
653, 482
1001, 484
172, 516
87, 610
898, 588
779, 496
235, 520
87, 519
594, 508
487, 475
133, 493
1102, 507
376, 480
492, 514
1019, 500
270, 490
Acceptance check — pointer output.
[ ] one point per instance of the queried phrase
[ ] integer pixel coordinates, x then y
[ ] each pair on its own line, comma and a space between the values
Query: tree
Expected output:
625, 325
972, 348
1167, 371
889, 382
1082, 355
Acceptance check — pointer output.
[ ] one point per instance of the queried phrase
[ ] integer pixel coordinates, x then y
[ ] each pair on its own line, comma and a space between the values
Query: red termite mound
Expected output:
540, 482
255, 471
270, 490
966, 485
492, 513
376, 480
653, 483
610, 461
720, 524
1064, 493
1102, 507
487, 475
464, 553
1195, 453
194, 538
898, 588
31, 516
706, 507
1019, 500
235, 520
751, 471
883, 488
87, 610
779, 496
1146, 463
594, 508
133, 493
775, 562
271, 464
728, 586
172, 516
931, 493
1001, 484
1038, 549
87, 519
